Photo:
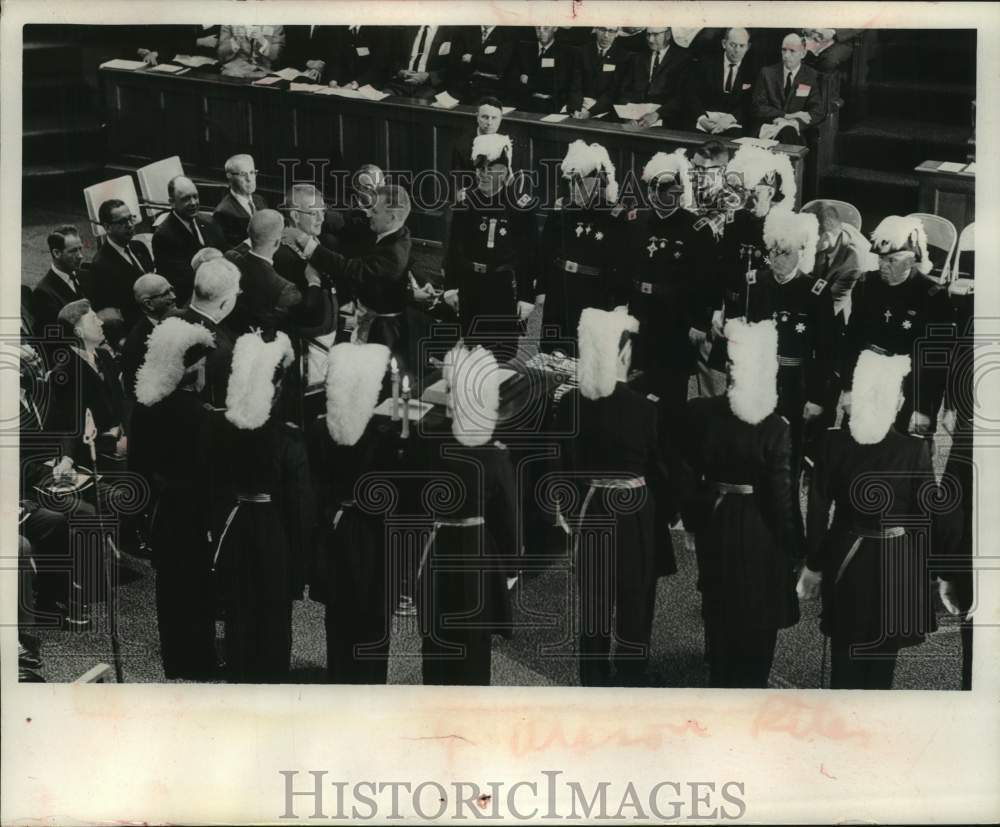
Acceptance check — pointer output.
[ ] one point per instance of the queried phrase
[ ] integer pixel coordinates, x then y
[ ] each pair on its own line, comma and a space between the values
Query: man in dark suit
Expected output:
658, 76
485, 64
548, 74
787, 98
216, 286
423, 57
182, 234
119, 262
723, 87
604, 66
155, 298
361, 56
242, 201
61, 284
311, 49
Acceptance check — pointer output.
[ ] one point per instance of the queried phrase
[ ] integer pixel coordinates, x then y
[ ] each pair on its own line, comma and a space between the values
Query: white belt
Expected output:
464, 522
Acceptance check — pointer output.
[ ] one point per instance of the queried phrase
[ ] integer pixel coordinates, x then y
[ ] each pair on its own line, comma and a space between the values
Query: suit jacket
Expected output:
484, 68
134, 353
665, 88
218, 363
173, 247
841, 268
233, 219
109, 281
603, 78
305, 43
271, 302
363, 56
443, 50
552, 81
705, 90
769, 101
50, 295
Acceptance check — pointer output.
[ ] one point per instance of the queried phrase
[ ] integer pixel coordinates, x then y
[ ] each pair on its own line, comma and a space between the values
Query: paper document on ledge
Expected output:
634, 111
950, 166
118, 63
195, 61
445, 101
554, 118
755, 142
371, 93
288, 74
307, 87
169, 69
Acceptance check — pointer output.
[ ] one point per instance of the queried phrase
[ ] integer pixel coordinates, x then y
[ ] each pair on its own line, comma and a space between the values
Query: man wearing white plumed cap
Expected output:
872, 562
579, 247
894, 312
671, 262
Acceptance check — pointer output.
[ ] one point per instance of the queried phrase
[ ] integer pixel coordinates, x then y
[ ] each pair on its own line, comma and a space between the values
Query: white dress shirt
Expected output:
418, 61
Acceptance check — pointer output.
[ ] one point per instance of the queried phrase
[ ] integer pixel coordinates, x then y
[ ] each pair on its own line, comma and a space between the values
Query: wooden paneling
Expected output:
951, 195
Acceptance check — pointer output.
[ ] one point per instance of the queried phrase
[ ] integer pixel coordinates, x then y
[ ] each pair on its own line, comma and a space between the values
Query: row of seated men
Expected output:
729, 81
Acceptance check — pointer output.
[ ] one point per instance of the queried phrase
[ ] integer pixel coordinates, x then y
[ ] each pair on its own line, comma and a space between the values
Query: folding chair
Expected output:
122, 188
849, 214
942, 238
963, 269
153, 180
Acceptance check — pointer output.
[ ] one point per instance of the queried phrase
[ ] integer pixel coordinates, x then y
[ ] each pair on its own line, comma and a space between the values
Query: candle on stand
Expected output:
394, 370
406, 407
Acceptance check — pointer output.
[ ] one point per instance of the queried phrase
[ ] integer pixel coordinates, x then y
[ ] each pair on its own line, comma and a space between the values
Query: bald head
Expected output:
203, 255
265, 231
183, 195
154, 294
793, 49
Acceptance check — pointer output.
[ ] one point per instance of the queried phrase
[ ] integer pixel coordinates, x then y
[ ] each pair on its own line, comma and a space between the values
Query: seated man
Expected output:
182, 234
423, 57
658, 76
360, 57
250, 51
61, 284
787, 98
719, 90
484, 67
310, 49
118, 263
604, 65
242, 201
160, 44
548, 74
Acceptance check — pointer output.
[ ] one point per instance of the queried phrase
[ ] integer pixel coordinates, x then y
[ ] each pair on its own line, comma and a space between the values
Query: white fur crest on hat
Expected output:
753, 370
163, 368
875, 395
599, 334
354, 376
586, 159
473, 378
793, 231
898, 232
753, 165
674, 163
493, 147
251, 383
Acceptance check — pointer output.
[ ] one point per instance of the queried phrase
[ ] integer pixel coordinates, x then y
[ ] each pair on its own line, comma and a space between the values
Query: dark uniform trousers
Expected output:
870, 671
739, 657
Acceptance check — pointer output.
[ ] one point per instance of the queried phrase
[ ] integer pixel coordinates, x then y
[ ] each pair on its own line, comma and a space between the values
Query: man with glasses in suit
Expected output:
241, 202
658, 77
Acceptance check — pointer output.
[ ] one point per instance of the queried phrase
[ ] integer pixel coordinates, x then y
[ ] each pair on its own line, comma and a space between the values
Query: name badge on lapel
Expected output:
362, 51
548, 62
746, 86
803, 90
445, 49
818, 286
609, 67
489, 50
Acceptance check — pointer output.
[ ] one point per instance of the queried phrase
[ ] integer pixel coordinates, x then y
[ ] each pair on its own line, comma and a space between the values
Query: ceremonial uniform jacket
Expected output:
603, 77
579, 266
670, 261
880, 594
548, 82
747, 544
899, 320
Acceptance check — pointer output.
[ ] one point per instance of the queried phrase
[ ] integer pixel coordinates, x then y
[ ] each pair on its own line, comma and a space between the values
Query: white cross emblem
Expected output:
907, 324
651, 247
589, 228
800, 328
887, 315
579, 230
598, 235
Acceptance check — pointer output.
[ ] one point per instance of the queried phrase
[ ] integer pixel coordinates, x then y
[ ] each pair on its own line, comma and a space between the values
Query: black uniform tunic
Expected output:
491, 260
579, 268
615, 457
747, 543
261, 542
462, 593
876, 598
351, 571
669, 260
901, 320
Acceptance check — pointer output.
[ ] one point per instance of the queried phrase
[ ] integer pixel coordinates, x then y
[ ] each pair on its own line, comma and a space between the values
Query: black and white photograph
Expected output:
614, 358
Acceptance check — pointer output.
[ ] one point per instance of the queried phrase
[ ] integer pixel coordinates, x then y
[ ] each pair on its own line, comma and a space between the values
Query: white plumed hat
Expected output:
163, 368
474, 380
897, 232
875, 395
250, 395
586, 159
493, 147
354, 375
753, 369
599, 334
753, 165
674, 164
793, 231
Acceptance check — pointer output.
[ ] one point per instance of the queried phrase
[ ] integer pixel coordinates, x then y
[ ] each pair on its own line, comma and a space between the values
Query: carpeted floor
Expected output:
539, 652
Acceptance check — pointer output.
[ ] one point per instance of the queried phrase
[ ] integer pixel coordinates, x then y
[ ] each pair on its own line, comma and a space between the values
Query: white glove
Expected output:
808, 585
919, 423
718, 323
948, 590
622, 308
810, 411
451, 299
696, 337
844, 403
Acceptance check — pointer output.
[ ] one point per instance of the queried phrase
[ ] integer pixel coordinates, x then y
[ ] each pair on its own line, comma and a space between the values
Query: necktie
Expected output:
788, 84
250, 203
75, 282
421, 45
486, 33
729, 78
653, 64
131, 257
196, 232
